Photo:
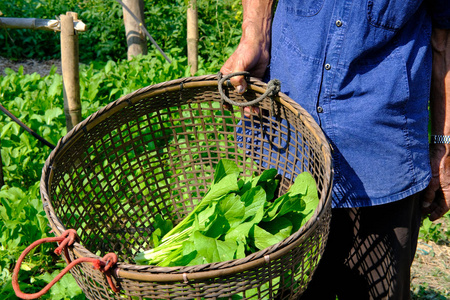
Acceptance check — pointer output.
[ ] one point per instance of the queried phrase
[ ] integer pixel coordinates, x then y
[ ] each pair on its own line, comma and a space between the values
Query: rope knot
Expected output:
104, 265
68, 237
97, 264
274, 86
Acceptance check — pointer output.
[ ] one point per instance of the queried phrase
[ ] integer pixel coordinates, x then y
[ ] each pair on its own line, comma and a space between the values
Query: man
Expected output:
363, 70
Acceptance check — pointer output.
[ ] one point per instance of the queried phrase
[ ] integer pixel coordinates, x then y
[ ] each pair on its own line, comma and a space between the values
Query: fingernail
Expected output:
426, 204
239, 89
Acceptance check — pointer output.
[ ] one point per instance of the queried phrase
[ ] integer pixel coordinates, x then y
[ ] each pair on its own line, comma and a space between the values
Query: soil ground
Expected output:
30, 66
430, 274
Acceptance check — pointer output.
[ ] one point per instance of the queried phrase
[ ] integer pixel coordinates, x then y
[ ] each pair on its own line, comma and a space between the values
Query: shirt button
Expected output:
319, 109
327, 66
338, 23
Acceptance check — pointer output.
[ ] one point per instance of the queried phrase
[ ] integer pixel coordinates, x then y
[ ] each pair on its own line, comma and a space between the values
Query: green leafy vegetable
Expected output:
236, 217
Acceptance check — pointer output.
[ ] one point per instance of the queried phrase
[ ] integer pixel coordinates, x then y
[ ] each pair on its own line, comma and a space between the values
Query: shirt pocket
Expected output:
391, 14
304, 8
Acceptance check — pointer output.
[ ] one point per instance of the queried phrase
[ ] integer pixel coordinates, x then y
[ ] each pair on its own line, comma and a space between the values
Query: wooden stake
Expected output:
2, 179
70, 70
136, 41
192, 36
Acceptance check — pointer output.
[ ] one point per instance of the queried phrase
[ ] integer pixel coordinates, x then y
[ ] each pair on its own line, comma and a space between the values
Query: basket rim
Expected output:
210, 270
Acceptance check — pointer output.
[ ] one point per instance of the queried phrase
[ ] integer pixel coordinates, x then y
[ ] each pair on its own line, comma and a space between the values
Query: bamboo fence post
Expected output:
70, 70
136, 41
2, 179
192, 36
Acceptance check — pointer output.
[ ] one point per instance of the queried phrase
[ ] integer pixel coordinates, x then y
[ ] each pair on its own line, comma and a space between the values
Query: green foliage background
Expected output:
105, 75
219, 28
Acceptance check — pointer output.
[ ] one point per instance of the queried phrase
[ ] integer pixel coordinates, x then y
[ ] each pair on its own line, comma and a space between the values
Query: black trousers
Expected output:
369, 253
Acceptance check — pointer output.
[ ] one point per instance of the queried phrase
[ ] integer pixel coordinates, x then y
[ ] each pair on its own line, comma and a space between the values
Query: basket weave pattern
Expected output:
154, 151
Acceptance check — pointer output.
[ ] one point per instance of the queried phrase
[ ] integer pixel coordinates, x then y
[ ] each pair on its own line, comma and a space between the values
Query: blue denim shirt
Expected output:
362, 70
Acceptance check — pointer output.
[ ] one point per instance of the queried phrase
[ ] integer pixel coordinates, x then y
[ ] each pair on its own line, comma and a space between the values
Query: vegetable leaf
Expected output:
300, 196
264, 239
161, 228
214, 250
225, 167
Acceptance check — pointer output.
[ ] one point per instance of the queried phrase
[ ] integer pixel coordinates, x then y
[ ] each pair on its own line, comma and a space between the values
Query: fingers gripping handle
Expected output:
273, 88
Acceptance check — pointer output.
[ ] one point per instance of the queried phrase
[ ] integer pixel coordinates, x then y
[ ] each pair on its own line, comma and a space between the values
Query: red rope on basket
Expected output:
67, 238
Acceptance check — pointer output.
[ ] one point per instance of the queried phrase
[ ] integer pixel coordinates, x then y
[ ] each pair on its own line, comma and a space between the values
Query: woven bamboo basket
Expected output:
154, 151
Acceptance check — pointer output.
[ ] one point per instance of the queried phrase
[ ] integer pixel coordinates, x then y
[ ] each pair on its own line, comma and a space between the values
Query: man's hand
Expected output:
436, 200
249, 56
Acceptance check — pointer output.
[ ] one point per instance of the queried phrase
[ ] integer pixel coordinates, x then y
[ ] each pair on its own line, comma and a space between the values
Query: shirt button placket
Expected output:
327, 67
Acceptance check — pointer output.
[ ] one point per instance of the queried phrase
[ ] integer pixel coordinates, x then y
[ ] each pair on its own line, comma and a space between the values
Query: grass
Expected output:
430, 272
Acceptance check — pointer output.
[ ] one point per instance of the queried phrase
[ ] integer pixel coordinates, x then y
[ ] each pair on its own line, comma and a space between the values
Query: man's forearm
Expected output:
440, 83
437, 196
253, 51
257, 19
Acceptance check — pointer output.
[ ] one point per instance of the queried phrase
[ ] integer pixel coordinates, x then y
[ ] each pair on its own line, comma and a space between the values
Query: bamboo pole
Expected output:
38, 24
192, 36
2, 179
70, 70
136, 41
